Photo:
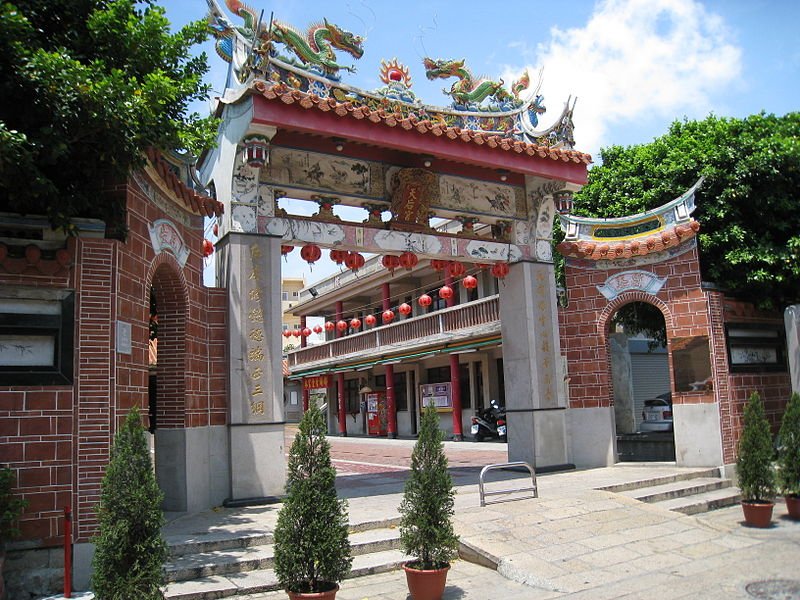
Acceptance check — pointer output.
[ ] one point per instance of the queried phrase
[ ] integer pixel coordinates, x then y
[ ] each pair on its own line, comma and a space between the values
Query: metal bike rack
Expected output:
507, 465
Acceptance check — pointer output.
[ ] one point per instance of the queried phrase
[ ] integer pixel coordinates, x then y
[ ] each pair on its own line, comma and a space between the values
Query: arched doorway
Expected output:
637, 340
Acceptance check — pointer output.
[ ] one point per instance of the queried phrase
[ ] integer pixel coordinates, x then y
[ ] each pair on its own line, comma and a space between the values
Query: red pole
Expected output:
455, 390
67, 552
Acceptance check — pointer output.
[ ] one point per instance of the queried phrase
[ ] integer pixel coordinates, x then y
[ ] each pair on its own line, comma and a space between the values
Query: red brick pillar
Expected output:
455, 390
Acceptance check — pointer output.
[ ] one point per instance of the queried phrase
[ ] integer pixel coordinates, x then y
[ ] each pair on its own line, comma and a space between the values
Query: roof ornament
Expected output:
398, 82
469, 92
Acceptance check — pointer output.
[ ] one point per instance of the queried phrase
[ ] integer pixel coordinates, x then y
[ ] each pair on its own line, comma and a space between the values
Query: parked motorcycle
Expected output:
489, 423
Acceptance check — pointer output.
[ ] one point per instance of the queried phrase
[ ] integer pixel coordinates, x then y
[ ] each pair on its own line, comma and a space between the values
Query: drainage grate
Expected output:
774, 589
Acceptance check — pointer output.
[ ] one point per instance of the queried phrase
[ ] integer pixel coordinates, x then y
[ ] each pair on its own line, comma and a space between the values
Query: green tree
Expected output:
11, 507
789, 449
426, 527
312, 548
754, 463
130, 552
747, 208
87, 85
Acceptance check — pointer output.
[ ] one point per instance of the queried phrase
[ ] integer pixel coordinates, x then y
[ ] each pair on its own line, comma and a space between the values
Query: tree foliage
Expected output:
789, 449
427, 508
87, 85
754, 463
129, 552
11, 506
747, 207
312, 548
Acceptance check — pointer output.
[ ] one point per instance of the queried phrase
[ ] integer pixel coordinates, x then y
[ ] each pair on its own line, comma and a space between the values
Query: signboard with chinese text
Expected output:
438, 394
316, 382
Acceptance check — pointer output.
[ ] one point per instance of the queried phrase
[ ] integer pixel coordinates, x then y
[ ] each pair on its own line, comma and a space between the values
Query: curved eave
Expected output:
198, 204
284, 107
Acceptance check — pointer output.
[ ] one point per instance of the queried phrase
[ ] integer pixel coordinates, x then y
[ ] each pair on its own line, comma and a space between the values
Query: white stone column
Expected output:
791, 319
531, 354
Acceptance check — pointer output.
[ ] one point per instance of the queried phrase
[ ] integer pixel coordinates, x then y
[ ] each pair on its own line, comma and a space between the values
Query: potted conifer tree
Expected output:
789, 456
754, 465
312, 549
130, 551
426, 526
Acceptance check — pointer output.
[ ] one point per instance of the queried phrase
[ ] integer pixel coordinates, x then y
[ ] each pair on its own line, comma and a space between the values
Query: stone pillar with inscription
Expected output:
252, 270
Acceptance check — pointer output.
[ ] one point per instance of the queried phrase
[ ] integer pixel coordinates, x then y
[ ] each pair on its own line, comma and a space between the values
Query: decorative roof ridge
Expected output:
196, 202
283, 92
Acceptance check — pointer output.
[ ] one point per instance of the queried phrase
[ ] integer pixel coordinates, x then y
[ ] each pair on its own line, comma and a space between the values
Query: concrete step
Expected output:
660, 480
265, 580
677, 489
243, 558
214, 541
705, 502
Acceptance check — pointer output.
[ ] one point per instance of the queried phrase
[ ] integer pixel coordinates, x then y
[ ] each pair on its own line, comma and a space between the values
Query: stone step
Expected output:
265, 580
677, 489
239, 559
660, 480
214, 541
705, 502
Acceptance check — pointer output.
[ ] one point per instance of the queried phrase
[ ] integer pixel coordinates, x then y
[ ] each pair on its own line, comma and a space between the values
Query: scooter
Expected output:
489, 422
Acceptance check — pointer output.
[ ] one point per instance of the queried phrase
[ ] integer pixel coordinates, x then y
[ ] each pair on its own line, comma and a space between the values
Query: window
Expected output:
285, 296
691, 363
351, 396
755, 347
295, 294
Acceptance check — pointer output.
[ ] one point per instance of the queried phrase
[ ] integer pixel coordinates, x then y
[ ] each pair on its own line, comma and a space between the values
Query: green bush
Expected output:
789, 449
426, 527
754, 464
11, 507
130, 552
312, 549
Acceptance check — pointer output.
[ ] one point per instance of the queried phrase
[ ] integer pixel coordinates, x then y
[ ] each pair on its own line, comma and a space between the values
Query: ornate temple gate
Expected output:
293, 130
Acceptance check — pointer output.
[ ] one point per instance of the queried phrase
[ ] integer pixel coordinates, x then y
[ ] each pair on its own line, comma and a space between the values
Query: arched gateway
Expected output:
291, 127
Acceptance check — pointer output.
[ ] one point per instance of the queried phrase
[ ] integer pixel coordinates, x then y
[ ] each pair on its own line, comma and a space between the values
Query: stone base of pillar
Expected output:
258, 463
538, 438
593, 437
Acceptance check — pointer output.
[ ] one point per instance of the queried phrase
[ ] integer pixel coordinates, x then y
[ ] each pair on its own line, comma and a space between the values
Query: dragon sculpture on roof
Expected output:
469, 90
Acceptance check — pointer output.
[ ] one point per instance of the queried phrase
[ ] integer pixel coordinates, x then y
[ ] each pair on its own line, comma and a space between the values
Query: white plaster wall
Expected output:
593, 437
698, 439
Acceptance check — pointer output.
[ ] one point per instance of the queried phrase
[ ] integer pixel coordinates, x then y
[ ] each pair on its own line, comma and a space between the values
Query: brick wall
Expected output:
58, 438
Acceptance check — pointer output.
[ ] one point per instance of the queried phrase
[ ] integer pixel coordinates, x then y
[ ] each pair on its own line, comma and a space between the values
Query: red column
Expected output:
306, 396
303, 339
455, 390
391, 400
448, 281
342, 406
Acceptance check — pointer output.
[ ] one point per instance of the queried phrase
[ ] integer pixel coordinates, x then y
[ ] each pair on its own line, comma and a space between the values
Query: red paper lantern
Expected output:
287, 334
404, 309
306, 332
500, 270
445, 292
456, 269
438, 265
341, 325
355, 323
338, 256
285, 249
208, 248
425, 300
354, 261
296, 333
469, 282
391, 262
215, 229
310, 253
329, 326
370, 320
388, 316
317, 329
408, 260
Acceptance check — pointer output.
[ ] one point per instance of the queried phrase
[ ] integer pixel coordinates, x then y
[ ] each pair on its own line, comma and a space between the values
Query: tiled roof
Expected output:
638, 246
288, 95
197, 203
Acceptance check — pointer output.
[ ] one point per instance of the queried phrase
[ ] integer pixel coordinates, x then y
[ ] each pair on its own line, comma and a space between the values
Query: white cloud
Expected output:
635, 60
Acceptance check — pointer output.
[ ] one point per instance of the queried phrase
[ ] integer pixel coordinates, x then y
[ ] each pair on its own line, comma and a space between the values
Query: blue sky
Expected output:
634, 65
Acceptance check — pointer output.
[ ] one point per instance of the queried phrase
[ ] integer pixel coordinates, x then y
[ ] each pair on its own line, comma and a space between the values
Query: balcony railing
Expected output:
471, 314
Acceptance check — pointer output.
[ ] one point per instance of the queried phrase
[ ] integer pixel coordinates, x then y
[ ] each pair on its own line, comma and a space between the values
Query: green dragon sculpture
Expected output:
469, 90
315, 49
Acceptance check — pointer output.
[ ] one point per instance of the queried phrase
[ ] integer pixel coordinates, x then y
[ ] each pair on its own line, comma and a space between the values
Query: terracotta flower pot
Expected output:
793, 506
424, 584
757, 514
329, 595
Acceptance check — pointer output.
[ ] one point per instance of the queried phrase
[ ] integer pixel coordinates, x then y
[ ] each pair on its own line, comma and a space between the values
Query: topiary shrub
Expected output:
426, 526
754, 463
789, 449
130, 552
11, 507
312, 549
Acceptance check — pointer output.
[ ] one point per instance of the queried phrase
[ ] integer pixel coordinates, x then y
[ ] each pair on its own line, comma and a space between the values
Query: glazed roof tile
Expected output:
197, 203
288, 95
637, 246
